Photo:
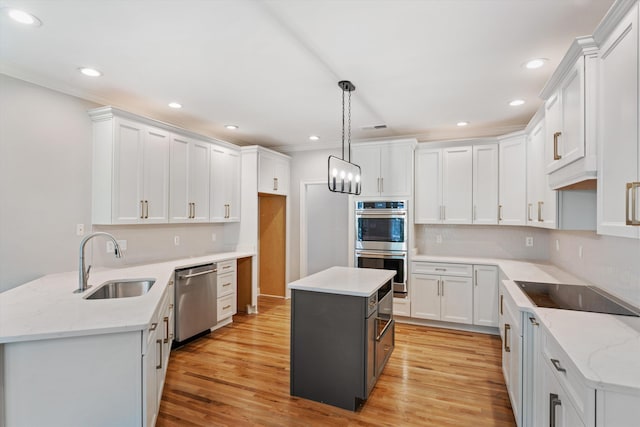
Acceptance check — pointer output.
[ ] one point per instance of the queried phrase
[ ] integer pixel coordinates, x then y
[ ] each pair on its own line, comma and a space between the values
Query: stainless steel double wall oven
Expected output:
381, 239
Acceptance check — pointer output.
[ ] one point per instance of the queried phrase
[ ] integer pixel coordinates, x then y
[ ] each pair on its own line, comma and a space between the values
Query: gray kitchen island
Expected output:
342, 334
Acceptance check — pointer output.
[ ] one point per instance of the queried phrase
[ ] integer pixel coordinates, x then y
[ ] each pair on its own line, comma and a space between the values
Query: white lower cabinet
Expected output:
485, 295
227, 289
441, 296
510, 332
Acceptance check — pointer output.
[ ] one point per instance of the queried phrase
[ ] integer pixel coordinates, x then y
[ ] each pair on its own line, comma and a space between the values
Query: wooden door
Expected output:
272, 234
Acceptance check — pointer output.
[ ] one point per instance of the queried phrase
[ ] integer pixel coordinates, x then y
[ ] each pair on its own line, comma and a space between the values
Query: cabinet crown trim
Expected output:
616, 13
581, 46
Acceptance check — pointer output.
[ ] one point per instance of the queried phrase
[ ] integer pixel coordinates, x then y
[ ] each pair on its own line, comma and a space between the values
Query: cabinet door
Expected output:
457, 185
368, 158
150, 362
266, 177
456, 299
511, 351
425, 296
199, 180
485, 184
535, 172
179, 180
219, 188
553, 125
396, 163
156, 175
557, 409
571, 142
128, 172
485, 295
233, 194
281, 174
513, 185
619, 155
428, 187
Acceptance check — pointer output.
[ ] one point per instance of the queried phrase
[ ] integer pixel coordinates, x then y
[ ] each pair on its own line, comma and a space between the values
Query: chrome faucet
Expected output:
84, 275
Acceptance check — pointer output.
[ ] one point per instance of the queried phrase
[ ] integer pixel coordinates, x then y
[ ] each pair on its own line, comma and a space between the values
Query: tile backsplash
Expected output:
482, 241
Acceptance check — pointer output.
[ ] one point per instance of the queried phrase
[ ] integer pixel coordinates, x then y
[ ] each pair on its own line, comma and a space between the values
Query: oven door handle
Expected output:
383, 215
381, 254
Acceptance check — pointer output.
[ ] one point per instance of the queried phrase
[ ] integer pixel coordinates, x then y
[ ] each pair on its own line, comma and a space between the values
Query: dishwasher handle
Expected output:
188, 276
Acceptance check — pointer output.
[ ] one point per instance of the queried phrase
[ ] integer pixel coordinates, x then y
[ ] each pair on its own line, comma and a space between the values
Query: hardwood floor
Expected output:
239, 376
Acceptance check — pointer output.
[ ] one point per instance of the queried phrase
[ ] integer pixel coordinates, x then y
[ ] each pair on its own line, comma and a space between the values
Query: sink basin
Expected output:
123, 288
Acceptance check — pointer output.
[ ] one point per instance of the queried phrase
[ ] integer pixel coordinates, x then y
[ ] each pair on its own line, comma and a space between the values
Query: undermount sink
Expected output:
123, 288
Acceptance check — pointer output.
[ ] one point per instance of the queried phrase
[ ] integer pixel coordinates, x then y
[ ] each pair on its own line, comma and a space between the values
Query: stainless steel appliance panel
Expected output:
381, 225
388, 261
195, 300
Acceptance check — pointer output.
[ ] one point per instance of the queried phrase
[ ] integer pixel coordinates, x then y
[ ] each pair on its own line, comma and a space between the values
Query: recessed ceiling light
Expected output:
23, 17
462, 124
231, 127
91, 72
516, 102
314, 137
532, 64
175, 105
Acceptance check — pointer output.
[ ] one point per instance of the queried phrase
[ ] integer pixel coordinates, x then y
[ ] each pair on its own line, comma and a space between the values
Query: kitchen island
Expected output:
342, 334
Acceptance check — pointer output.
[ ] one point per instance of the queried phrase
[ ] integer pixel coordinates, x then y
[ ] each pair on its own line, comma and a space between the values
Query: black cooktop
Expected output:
575, 297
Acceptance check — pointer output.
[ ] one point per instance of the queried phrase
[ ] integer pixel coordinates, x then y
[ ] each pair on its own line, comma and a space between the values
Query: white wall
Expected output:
482, 241
612, 263
45, 190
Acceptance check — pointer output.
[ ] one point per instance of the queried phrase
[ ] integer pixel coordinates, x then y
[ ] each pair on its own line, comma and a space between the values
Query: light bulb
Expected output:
342, 174
350, 176
357, 178
334, 172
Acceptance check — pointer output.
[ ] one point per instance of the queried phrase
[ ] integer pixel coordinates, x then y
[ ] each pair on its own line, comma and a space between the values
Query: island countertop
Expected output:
361, 282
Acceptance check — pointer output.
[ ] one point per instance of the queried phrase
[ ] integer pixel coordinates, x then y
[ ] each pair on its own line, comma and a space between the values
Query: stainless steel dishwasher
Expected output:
196, 300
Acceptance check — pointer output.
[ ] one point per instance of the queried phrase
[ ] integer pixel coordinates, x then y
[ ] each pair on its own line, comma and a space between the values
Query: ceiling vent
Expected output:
374, 127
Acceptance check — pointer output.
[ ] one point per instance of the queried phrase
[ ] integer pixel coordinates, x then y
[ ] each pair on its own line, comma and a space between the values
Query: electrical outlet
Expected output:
557, 245
79, 229
580, 251
110, 248
176, 240
213, 237
438, 238
528, 241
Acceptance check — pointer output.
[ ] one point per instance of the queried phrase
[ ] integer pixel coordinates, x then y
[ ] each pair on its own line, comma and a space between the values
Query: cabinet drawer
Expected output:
401, 307
442, 269
565, 372
226, 306
226, 284
226, 266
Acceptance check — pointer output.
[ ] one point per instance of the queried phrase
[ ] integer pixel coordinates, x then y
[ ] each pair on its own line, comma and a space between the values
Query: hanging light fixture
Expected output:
342, 175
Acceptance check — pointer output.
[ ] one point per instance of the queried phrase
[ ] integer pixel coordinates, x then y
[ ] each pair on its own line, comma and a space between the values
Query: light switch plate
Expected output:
528, 241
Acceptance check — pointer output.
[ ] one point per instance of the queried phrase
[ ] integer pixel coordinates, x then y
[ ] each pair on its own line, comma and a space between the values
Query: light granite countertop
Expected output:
361, 282
605, 348
47, 308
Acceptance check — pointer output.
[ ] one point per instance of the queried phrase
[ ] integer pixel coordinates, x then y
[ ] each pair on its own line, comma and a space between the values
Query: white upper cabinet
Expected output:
619, 148
130, 171
513, 185
225, 184
485, 184
541, 199
386, 168
189, 191
457, 185
428, 186
273, 173
570, 140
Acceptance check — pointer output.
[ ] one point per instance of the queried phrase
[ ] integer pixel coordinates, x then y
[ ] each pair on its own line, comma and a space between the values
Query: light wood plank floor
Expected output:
239, 375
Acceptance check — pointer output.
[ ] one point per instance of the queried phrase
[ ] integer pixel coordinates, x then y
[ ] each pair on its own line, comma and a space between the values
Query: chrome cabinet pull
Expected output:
226, 266
554, 402
529, 212
475, 273
146, 209
499, 212
440, 269
438, 288
226, 307
382, 185
141, 209
159, 365
507, 334
556, 156
631, 187
166, 329
275, 184
556, 364
153, 326
226, 284
501, 303
442, 288
540, 212
533, 321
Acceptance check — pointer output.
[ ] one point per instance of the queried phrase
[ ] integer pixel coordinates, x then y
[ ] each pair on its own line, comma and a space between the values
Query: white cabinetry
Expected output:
225, 184
510, 332
485, 184
443, 192
442, 292
387, 168
485, 295
130, 171
513, 185
570, 154
541, 199
189, 190
227, 289
273, 173
617, 124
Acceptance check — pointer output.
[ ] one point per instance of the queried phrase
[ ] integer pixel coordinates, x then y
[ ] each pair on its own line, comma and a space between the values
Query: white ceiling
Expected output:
272, 67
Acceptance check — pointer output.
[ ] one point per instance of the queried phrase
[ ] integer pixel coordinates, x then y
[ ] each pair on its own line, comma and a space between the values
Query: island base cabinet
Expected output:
78, 381
617, 409
332, 348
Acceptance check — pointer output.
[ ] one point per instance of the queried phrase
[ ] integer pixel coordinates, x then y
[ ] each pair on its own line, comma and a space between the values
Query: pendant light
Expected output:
342, 175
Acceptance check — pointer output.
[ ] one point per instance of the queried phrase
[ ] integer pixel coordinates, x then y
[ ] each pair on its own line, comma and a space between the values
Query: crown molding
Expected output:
614, 15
